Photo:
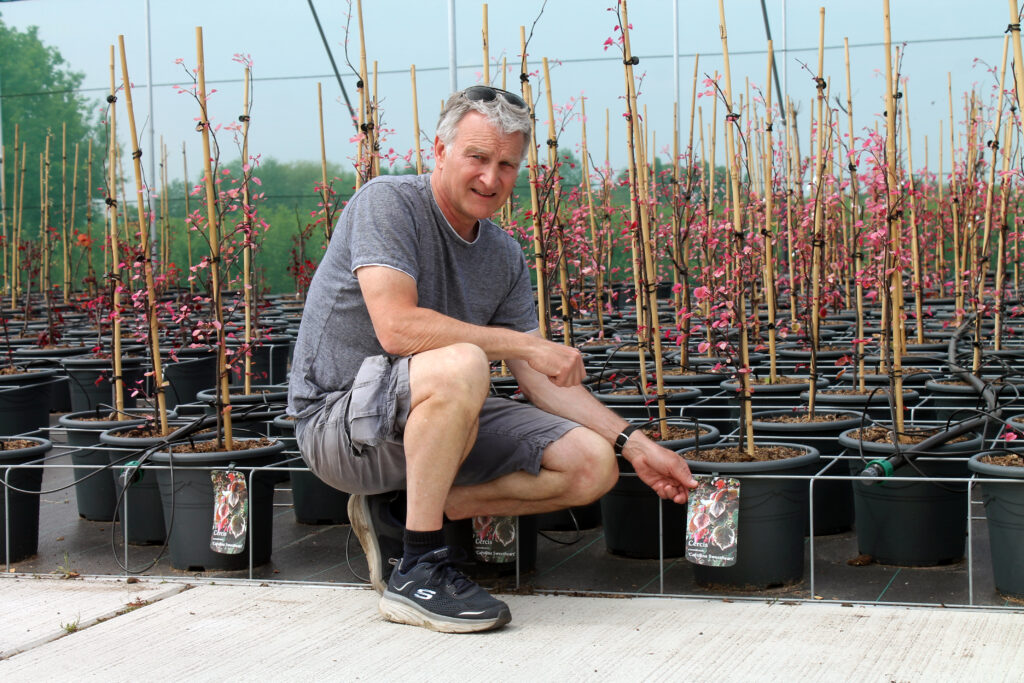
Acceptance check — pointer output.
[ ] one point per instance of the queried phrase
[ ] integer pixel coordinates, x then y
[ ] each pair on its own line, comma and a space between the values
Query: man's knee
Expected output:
591, 466
459, 372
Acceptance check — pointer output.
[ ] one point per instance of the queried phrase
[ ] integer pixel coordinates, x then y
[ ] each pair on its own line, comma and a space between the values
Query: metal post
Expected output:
151, 167
675, 50
453, 79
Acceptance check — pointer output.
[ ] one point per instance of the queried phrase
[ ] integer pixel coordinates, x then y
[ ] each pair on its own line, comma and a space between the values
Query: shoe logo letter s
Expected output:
424, 593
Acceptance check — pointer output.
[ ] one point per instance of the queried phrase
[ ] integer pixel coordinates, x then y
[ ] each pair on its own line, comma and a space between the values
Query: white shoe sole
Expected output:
399, 610
359, 518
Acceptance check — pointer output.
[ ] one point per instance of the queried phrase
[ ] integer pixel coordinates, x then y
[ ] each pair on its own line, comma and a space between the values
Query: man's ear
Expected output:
439, 150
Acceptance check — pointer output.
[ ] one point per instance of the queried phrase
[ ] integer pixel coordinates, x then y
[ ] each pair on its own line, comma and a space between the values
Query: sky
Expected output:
289, 59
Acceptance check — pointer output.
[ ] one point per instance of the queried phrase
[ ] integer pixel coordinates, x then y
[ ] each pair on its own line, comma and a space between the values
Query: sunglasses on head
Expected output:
485, 93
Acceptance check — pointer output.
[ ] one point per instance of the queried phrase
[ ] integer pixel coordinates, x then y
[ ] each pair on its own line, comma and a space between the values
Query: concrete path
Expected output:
153, 630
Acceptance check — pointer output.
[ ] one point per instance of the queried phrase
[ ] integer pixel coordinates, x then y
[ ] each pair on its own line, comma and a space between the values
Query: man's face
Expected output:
475, 175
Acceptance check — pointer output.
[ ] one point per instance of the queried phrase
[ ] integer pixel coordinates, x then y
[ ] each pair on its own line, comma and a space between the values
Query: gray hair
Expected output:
499, 112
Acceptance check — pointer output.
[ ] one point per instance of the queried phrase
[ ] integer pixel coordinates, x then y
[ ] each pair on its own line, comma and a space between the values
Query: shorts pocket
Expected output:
369, 417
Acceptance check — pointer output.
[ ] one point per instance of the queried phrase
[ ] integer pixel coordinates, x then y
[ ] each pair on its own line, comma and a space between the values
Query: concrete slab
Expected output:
292, 632
40, 610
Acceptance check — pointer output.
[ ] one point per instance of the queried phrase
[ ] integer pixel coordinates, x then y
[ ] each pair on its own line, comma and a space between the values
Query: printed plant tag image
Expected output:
712, 521
494, 539
230, 512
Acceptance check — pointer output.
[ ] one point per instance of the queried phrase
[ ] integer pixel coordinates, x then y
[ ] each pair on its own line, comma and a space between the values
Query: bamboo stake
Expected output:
555, 193
147, 262
3, 213
818, 237
989, 192
892, 200
737, 227
65, 250
416, 122
115, 257
324, 194
487, 57
1003, 234
646, 241
1018, 56
19, 218
855, 247
88, 220
74, 187
793, 191
769, 231
188, 214
247, 209
689, 210
213, 224
915, 235
44, 228
375, 156
596, 244
954, 197
13, 276
710, 195
539, 260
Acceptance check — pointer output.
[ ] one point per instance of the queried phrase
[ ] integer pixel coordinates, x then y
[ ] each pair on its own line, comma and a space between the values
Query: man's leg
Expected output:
576, 469
448, 387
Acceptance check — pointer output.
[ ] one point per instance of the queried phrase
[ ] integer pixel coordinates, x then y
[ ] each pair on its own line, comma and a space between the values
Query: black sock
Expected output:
418, 543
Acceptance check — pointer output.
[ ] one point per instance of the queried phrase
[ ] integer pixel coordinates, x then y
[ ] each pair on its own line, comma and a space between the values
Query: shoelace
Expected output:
444, 571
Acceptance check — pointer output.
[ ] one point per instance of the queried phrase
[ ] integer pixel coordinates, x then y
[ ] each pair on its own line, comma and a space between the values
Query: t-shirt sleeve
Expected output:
382, 229
517, 311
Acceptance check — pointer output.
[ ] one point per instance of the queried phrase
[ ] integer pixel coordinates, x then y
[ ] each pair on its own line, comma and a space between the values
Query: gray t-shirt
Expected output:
394, 221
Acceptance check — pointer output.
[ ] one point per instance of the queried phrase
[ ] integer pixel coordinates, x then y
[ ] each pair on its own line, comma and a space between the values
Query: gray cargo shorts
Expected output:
354, 443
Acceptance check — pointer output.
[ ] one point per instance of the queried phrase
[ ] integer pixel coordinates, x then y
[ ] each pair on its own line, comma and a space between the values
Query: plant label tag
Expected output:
712, 521
230, 512
494, 538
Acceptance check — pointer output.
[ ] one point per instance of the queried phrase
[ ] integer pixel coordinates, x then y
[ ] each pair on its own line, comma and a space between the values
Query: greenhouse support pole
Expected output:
150, 167
453, 80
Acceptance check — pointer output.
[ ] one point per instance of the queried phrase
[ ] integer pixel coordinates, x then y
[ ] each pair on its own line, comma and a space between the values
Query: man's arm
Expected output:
404, 329
661, 469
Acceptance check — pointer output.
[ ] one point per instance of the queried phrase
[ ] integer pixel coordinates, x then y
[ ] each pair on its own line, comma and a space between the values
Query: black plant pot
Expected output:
190, 374
833, 498
876, 405
95, 489
1004, 508
188, 501
772, 519
645, 407
25, 400
770, 396
91, 381
60, 395
20, 519
314, 501
911, 523
269, 361
144, 516
630, 514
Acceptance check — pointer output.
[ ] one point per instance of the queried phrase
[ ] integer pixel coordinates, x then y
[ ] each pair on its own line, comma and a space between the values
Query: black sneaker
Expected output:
436, 595
379, 532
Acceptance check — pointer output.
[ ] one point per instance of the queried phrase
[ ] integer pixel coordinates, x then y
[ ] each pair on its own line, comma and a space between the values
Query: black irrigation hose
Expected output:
884, 467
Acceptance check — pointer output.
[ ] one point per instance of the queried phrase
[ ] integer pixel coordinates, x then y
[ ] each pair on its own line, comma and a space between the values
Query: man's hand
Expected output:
561, 364
664, 471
